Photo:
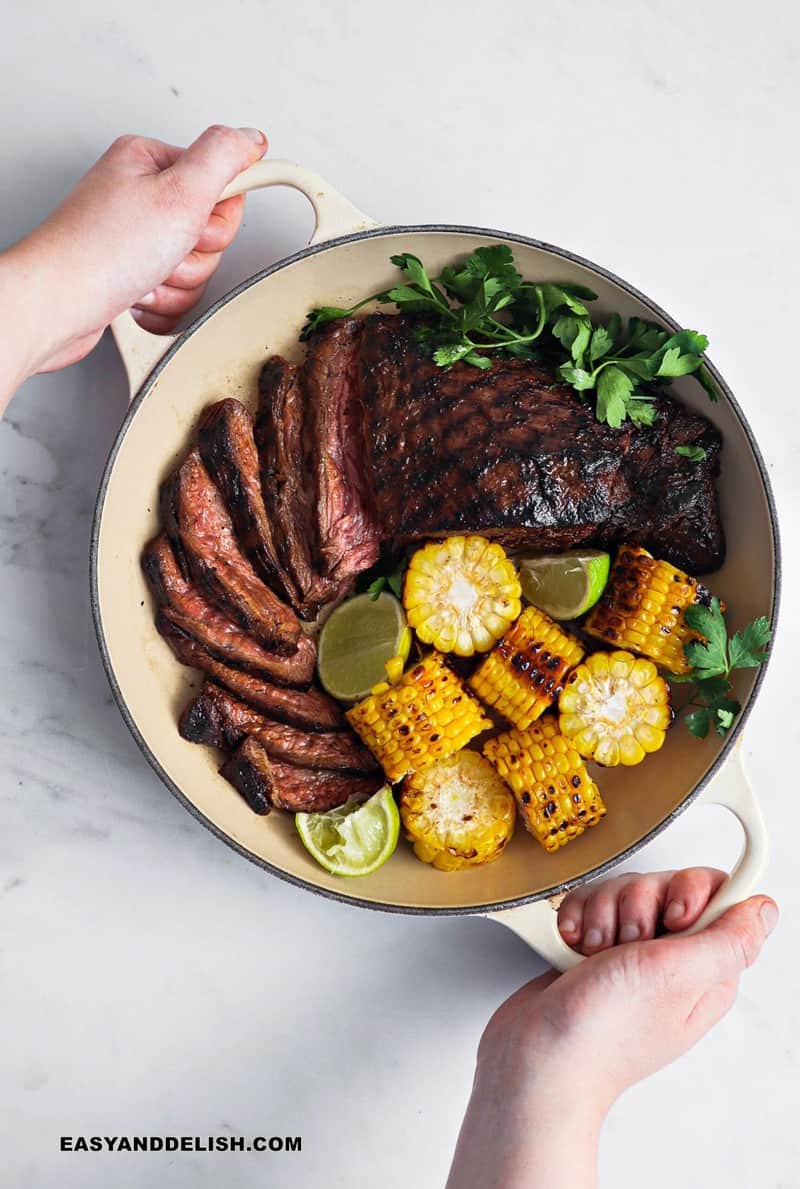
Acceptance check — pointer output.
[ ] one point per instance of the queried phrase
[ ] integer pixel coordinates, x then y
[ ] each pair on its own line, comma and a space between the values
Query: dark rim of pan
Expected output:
603, 868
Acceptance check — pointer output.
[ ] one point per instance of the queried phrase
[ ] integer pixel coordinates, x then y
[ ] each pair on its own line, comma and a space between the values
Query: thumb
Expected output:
203, 170
730, 944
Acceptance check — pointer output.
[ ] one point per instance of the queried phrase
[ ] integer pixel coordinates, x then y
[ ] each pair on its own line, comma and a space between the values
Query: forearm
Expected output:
30, 317
536, 1135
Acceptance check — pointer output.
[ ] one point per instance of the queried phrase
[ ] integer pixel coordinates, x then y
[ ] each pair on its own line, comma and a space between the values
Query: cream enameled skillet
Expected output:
220, 355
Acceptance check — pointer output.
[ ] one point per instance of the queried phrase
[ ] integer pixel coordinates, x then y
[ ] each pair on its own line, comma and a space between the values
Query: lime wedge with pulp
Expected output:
355, 839
356, 642
564, 585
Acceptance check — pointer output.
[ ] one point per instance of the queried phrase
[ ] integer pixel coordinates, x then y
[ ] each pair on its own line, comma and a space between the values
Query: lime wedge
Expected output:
356, 642
355, 839
564, 585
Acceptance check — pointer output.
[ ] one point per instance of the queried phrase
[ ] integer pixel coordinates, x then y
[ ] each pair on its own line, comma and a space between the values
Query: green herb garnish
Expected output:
713, 659
393, 579
482, 309
693, 453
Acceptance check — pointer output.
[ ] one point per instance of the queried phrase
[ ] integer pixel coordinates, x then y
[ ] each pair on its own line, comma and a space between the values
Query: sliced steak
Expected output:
228, 449
188, 613
514, 454
312, 710
348, 534
217, 718
198, 524
266, 783
288, 497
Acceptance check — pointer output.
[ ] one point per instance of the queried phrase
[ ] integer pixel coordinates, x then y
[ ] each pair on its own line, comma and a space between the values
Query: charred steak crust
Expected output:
266, 783
228, 449
202, 532
348, 534
311, 710
217, 718
183, 610
512, 454
284, 482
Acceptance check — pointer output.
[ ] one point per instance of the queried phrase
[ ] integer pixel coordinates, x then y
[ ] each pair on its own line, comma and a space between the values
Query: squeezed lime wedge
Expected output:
564, 585
355, 839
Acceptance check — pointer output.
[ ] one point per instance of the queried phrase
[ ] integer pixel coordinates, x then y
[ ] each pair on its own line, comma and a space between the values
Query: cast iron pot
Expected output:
172, 379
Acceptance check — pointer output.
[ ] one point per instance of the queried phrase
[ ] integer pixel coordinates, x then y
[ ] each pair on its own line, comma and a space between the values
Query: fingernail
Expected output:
147, 300
769, 917
675, 911
568, 926
593, 939
253, 134
630, 931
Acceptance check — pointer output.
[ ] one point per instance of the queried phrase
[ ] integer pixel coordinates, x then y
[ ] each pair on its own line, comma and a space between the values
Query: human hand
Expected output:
142, 229
564, 1047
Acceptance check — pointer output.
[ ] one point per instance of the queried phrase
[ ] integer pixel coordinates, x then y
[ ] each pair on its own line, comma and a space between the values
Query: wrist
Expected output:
30, 311
531, 1122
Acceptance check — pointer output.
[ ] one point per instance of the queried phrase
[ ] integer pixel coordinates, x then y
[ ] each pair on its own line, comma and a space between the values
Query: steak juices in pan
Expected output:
475, 453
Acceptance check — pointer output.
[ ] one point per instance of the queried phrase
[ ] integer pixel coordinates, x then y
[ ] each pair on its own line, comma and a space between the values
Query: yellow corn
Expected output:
457, 812
615, 708
427, 716
461, 594
556, 796
642, 608
525, 672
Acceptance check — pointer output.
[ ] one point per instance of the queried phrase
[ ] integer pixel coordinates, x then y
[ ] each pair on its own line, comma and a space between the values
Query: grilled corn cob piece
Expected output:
525, 672
427, 716
642, 608
556, 796
457, 812
615, 708
461, 594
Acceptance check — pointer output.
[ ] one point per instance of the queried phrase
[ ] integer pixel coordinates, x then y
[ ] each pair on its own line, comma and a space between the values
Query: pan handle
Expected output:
334, 215
537, 923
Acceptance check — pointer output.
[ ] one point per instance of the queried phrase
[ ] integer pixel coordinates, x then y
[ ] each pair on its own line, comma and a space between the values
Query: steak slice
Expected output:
348, 534
310, 709
284, 481
217, 718
228, 449
198, 524
514, 454
265, 783
188, 613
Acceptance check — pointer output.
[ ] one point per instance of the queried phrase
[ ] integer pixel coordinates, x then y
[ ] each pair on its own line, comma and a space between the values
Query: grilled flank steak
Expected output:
267, 784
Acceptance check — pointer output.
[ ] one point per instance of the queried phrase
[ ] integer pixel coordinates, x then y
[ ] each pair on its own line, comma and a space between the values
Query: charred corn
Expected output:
427, 716
556, 796
461, 594
525, 672
615, 708
457, 812
642, 608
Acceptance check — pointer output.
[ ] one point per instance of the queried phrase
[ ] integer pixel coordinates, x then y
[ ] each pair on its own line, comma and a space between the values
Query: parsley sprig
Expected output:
482, 308
713, 659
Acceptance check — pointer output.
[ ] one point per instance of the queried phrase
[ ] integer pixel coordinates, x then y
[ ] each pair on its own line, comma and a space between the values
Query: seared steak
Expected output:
202, 533
228, 449
217, 718
185, 611
348, 535
284, 481
510, 453
266, 783
310, 709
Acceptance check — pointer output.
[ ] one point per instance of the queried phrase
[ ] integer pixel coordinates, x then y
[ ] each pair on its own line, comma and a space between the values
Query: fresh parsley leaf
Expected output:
580, 379
673, 363
601, 342
699, 722
613, 390
375, 587
693, 453
712, 661
641, 411
747, 648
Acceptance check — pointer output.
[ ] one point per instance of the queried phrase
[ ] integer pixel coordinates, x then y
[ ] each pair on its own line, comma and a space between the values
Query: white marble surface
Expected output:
152, 981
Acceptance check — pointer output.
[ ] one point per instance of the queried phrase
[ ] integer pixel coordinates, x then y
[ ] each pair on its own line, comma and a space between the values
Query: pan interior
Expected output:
222, 357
